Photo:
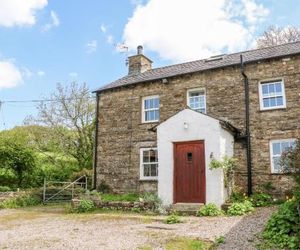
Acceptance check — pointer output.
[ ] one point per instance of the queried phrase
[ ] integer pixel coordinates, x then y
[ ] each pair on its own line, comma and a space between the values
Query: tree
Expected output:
290, 161
16, 158
278, 35
70, 113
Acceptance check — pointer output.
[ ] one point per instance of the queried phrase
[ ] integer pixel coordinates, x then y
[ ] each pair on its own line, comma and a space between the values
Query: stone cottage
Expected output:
159, 128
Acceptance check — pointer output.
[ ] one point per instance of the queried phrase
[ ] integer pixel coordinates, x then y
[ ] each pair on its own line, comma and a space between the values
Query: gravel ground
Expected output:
52, 229
244, 234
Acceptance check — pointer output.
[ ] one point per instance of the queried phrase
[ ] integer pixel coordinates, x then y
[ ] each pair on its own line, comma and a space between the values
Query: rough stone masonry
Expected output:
121, 132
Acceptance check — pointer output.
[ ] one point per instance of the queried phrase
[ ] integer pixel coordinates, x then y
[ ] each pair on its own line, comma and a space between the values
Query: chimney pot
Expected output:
140, 50
138, 63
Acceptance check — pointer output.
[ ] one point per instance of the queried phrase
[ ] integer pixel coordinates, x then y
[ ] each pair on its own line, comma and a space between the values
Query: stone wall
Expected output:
122, 134
120, 205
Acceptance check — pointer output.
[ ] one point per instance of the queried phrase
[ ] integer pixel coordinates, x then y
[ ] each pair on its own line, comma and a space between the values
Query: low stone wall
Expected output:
8, 195
120, 205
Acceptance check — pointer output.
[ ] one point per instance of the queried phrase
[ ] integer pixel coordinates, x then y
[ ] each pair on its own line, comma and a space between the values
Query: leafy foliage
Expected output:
71, 118
16, 160
209, 210
172, 219
228, 164
240, 208
283, 228
24, 200
50, 163
85, 206
5, 189
156, 201
290, 160
261, 199
257, 199
237, 197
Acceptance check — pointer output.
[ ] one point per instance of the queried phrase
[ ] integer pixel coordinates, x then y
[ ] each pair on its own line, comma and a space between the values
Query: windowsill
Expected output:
145, 123
281, 174
272, 109
150, 180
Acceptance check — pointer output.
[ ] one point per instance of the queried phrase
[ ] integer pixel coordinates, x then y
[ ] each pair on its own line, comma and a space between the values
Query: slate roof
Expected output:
204, 64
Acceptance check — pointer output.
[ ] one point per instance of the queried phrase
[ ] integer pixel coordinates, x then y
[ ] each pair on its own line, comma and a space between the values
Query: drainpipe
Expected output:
96, 144
248, 135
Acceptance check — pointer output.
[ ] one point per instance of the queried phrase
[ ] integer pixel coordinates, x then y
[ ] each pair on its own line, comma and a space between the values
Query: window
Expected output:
149, 164
196, 100
189, 156
272, 94
278, 147
150, 109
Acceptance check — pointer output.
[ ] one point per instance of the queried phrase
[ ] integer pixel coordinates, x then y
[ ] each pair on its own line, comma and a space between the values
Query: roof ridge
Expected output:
276, 51
240, 52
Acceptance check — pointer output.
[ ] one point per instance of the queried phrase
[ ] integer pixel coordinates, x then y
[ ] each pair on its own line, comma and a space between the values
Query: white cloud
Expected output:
103, 28
91, 46
53, 23
193, 29
10, 75
136, 2
110, 39
254, 12
41, 73
20, 12
73, 74
26, 72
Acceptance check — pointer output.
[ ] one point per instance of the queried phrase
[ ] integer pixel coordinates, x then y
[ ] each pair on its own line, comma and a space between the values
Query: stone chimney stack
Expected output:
138, 63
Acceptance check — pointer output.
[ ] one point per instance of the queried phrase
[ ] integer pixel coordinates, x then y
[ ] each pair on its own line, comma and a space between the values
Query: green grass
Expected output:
182, 243
120, 197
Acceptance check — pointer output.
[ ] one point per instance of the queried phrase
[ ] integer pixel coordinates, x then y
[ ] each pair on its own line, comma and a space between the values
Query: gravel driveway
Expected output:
48, 228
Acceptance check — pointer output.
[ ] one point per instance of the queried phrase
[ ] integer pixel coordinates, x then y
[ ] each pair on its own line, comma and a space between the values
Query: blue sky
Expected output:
45, 42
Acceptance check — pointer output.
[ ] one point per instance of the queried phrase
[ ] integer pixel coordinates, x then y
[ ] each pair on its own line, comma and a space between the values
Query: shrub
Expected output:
85, 206
261, 199
172, 219
283, 228
237, 197
267, 187
156, 201
240, 208
5, 189
228, 164
209, 210
25, 200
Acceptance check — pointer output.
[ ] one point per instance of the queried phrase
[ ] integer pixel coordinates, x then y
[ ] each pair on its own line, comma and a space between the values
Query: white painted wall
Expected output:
226, 148
200, 127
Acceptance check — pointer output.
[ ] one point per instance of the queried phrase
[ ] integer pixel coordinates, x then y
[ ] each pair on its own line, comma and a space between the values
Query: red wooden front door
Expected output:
189, 172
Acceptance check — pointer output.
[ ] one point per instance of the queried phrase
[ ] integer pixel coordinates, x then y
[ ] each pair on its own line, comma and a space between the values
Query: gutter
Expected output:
247, 134
96, 144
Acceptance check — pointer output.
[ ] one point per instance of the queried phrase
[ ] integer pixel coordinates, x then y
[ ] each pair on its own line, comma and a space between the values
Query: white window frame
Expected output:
261, 94
271, 152
144, 110
142, 177
195, 90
